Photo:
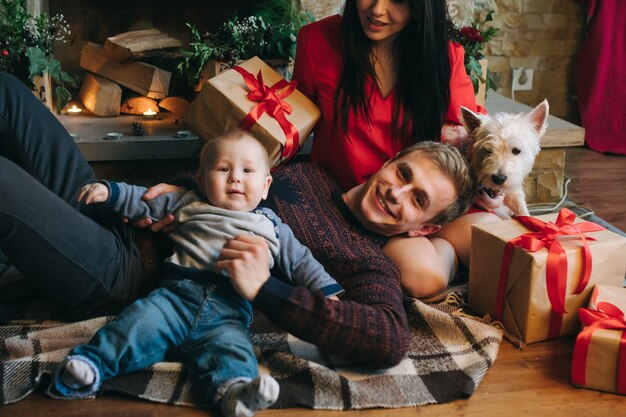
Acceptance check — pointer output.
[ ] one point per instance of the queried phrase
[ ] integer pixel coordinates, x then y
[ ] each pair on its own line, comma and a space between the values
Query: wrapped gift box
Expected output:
523, 292
599, 360
257, 99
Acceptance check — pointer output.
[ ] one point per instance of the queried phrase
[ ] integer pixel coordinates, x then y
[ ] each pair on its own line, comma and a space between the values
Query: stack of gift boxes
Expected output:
549, 276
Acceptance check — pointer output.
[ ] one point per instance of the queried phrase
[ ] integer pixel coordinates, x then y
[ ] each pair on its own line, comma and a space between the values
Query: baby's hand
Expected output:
94, 193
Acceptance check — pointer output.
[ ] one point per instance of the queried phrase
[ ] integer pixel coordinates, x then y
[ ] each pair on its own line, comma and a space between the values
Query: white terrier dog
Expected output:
502, 149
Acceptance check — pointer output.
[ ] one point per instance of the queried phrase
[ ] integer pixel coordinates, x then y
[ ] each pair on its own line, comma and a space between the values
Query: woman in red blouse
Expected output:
385, 76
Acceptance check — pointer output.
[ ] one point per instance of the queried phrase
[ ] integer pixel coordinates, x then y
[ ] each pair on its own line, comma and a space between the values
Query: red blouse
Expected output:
352, 158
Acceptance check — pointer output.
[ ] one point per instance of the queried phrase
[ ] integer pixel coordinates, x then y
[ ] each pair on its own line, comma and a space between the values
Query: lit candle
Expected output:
149, 114
72, 111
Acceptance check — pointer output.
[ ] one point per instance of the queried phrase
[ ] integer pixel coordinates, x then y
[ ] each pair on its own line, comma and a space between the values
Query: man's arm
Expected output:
296, 262
368, 326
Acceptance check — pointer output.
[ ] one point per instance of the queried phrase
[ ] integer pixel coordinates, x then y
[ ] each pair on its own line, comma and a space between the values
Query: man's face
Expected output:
403, 196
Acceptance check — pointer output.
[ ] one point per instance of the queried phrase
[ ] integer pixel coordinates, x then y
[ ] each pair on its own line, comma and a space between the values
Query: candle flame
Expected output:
74, 109
149, 112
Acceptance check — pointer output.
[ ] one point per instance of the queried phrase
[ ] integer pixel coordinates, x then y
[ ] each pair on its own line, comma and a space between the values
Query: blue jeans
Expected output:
208, 323
81, 258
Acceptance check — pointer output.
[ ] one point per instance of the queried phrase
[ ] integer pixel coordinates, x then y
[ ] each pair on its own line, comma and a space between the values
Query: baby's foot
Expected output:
244, 399
77, 374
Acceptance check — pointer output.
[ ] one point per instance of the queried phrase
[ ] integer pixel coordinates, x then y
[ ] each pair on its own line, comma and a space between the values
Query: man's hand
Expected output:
167, 224
246, 260
94, 193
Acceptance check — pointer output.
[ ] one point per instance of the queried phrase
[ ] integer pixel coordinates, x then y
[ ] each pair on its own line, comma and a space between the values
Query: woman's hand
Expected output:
246, 259
167, 224
489, 202
454, 135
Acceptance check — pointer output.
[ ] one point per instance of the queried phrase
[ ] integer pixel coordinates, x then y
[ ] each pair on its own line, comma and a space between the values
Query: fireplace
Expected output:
95, 20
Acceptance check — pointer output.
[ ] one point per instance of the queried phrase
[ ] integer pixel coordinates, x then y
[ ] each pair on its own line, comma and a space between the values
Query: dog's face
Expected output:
504, 146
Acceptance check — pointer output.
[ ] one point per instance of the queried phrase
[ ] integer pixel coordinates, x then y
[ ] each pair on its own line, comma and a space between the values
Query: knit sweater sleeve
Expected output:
126, 200
369, 324
299, 266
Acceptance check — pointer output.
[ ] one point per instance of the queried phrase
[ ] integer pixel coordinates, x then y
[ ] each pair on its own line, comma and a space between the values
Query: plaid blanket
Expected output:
448, 357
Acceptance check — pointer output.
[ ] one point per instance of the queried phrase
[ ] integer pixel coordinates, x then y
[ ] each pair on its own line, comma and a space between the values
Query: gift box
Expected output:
256, 98
533, 273
599, 360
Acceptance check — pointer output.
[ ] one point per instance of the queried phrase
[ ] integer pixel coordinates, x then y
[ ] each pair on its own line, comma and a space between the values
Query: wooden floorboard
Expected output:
534, 381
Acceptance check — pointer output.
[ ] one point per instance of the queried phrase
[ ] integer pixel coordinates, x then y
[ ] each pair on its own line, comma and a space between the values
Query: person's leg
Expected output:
136, 339
221, 351
67, 254
33, 138
63, 252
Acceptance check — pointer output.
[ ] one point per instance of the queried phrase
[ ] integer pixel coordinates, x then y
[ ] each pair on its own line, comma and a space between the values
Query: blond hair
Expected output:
454, 166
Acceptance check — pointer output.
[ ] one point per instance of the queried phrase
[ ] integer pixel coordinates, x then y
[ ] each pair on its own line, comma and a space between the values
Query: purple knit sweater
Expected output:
369, 324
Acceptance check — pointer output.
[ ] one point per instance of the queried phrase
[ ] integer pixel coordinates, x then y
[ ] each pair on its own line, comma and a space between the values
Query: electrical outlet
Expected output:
522, 79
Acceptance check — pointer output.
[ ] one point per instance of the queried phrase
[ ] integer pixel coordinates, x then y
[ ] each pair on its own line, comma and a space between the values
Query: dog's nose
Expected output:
498, 179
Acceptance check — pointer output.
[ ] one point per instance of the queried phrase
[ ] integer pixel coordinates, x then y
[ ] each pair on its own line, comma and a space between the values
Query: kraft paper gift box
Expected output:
599, 360
536, 294
256, 98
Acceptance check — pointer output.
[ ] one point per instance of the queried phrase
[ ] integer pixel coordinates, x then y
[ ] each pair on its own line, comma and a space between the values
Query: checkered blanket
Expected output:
448, 357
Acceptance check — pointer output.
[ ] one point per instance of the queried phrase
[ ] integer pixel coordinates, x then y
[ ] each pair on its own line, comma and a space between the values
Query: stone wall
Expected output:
543, 35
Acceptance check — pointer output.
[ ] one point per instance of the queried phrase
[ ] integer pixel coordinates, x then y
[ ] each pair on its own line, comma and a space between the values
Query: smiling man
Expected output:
415, 192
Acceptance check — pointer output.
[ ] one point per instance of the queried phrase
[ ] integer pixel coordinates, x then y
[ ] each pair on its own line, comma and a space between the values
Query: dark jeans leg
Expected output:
67, 254
34, 139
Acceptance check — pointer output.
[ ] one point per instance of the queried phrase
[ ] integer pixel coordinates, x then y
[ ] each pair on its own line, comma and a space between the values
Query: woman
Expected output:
400, 81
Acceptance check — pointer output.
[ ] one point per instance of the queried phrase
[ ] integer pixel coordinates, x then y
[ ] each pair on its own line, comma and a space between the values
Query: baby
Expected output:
197, 311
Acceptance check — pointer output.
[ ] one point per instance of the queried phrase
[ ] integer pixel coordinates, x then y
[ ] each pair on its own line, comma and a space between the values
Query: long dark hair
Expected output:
422, 90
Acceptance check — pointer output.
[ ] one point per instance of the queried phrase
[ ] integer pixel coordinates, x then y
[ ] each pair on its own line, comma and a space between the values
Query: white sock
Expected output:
78, 374
244, 399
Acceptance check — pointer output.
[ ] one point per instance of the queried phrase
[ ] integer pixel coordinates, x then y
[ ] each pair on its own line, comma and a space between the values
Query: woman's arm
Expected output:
461, 94
303, 68
426, 265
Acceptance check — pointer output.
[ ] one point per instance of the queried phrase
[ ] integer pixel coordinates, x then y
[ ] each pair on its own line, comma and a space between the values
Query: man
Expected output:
413, 194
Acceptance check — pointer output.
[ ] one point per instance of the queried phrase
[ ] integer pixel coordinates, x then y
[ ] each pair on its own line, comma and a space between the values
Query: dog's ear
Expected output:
469, 119
539, 117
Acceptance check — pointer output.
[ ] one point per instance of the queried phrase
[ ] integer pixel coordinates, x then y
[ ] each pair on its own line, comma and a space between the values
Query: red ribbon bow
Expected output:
270, 101
607, 316
545, 235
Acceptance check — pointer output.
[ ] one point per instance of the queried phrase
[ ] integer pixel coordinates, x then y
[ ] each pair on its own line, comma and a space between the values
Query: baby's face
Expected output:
237, 177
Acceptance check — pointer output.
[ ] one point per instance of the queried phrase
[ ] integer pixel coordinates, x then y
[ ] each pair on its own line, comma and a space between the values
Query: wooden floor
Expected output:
532, 382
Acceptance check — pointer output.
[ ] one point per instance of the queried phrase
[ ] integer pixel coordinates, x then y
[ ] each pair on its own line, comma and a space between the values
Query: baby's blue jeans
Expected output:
207, 322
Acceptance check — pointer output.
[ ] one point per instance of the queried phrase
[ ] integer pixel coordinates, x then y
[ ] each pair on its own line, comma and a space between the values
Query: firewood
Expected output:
140, 77
100, 96
138, 105
176, 105
125, 45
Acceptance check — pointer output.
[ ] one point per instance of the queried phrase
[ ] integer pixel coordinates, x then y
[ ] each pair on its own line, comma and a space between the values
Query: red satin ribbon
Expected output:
607, 316
545, 235
270, 101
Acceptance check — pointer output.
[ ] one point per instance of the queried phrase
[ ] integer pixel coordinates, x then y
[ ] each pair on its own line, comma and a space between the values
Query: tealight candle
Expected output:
149, 114
72, 111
